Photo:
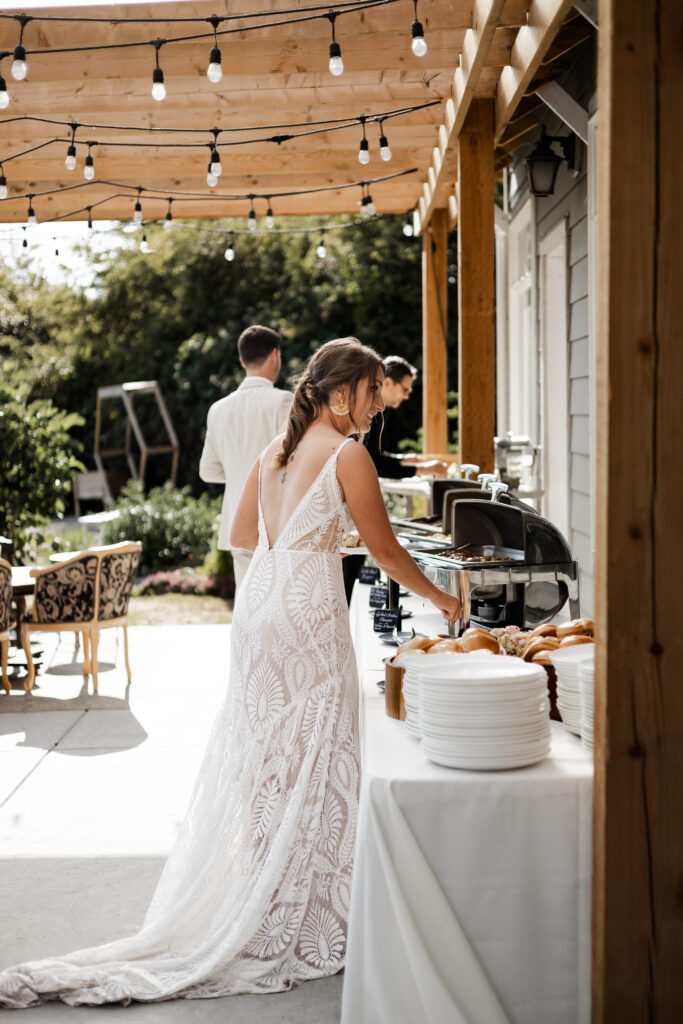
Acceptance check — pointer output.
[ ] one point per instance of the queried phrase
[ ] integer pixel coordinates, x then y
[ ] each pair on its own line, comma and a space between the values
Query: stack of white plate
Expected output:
586, 673
479, 711
566, 662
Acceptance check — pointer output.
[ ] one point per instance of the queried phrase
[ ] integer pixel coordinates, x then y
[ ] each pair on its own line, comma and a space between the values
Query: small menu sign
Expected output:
387, 619
368, 574
378, 596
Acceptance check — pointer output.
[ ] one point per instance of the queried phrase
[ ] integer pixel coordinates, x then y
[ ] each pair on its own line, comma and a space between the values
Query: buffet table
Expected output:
471, 890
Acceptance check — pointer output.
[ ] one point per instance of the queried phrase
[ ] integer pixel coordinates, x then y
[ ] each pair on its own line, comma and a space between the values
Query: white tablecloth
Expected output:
471, 890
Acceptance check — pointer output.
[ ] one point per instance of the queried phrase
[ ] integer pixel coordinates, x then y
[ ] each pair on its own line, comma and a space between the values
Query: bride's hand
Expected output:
449, 606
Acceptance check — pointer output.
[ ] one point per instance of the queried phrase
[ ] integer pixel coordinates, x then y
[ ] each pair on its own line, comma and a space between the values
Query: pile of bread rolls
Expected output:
533, 645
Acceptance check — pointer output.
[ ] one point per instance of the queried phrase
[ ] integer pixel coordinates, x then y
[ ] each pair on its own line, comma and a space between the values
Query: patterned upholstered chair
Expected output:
86, 594
5, 602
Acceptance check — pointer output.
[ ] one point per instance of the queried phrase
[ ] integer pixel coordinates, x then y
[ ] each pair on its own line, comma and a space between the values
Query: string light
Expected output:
419, 46
384, 150
158, 87
230, 251
137, 212
270, 219
336, 63
70, 162
4, 95
89, 167
3, 184
31, 217
90, 217
408, 226
143, 245
371, 206
251, 219
168, 222
24, 244
214, 72
211, 178
363, 151
215, 155
321, 251
19, 65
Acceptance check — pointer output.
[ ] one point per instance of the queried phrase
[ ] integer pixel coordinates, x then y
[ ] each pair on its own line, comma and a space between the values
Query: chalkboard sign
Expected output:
387, 619
378, 596
368, 574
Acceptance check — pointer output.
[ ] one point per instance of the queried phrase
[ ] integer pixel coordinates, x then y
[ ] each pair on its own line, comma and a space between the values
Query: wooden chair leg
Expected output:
125, 649
4, 650
94, 638
25, 643
86, 655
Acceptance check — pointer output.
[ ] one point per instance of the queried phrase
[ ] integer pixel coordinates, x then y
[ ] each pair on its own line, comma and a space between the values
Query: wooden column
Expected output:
476, 260
434, 333
638, 806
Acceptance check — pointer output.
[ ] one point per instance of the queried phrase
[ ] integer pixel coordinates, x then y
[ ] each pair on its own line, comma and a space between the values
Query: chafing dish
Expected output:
508, 566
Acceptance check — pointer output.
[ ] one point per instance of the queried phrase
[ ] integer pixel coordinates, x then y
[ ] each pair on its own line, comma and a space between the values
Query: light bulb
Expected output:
216, 163
230, 254
168, 223
3, 187
251, 221
24, 244
336, 62
419, 45
158, 87
321, 251
19, 66
143, 244
89, 169
214, 71
70, 162
270, 219
4, 95
137, 213
211, 178
31, 219
384, 150
363, 152
408, 227
371, 207
364, 212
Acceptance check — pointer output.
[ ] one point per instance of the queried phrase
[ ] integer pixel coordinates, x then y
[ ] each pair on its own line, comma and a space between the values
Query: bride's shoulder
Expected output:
353, 456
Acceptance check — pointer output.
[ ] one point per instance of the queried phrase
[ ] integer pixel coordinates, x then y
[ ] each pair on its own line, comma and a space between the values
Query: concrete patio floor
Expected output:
90, 800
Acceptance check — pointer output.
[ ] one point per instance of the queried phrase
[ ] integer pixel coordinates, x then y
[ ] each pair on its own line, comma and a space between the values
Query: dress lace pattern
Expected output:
255, 894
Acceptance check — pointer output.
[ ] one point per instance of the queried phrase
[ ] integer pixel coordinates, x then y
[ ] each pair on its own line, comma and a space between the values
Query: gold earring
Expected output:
339, 409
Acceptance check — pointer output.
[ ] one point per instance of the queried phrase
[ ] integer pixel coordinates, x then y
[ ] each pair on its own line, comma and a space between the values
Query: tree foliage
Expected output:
174, 315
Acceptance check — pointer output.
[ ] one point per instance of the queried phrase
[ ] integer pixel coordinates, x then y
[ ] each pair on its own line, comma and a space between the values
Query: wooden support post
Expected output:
638, 808
434, 333
476, 320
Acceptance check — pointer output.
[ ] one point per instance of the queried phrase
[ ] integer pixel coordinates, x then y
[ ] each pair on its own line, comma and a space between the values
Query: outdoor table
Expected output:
471, 891
23, 586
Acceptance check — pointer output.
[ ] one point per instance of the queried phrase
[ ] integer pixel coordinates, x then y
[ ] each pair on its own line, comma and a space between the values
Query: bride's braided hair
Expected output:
342, 362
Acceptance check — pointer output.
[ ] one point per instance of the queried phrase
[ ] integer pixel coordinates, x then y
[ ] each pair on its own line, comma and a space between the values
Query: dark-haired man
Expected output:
239, 427
399, 377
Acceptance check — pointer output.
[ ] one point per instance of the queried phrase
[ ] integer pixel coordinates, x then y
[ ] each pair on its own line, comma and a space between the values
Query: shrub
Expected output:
186, 581
174, 528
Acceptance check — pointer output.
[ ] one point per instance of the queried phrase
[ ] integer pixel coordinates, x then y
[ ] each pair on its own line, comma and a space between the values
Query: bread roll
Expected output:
479, 640
416, 643
547, 629
445, 647
575, 627
538, 644
542, 658
399, 659
576, 638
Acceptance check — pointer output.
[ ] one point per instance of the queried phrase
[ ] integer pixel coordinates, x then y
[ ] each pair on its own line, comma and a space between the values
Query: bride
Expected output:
255, 894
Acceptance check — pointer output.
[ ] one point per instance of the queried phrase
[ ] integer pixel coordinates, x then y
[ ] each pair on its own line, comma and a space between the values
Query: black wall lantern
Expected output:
543, 164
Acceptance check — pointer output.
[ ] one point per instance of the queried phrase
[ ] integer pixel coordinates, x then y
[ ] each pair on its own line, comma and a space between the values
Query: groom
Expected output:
239, 427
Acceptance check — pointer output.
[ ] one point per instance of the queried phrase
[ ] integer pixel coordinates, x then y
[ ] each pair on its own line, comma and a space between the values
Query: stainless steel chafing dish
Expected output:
508, 565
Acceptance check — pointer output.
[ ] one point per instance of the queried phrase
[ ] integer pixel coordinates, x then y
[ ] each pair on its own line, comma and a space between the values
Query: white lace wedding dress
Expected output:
255, 894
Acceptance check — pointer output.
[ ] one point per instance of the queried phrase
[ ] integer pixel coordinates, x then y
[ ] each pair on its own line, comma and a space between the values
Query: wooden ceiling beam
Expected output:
477, 42
533, 41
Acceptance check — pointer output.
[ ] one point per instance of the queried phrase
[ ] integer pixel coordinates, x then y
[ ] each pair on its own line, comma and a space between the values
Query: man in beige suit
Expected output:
239, 427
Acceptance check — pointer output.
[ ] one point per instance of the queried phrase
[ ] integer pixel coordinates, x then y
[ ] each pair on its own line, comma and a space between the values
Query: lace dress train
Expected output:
255, 894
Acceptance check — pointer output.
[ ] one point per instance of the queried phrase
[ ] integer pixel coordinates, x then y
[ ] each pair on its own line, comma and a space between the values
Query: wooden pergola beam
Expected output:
637, 940
531, 45
476, 299
476, 46
434, 334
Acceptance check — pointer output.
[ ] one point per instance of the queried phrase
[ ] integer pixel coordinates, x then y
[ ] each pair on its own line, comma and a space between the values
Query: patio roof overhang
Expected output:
272, 77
